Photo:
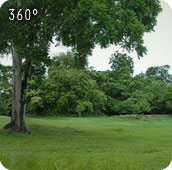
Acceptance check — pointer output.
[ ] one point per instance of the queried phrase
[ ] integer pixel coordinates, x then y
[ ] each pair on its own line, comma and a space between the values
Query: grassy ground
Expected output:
105, 143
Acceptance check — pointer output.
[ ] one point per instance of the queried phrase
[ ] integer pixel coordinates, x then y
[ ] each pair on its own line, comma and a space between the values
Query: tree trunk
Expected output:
13, 91
16, 91
19, 89
24, 96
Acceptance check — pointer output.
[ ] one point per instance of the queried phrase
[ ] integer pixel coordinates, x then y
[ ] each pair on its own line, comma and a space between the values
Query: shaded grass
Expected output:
103, 143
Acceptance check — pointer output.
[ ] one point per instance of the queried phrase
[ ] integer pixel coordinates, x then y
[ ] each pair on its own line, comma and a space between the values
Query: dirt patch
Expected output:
141, 116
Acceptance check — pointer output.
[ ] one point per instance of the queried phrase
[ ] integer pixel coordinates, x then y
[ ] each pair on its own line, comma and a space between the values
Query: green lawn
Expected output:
104, 143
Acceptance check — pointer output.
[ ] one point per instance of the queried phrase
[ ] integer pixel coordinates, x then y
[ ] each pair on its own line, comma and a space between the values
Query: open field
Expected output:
102, 143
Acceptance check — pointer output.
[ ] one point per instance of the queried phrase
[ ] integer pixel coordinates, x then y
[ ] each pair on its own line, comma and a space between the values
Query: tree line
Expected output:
64, 89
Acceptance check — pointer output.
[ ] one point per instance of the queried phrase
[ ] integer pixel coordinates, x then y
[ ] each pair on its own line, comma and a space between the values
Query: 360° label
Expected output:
27, 14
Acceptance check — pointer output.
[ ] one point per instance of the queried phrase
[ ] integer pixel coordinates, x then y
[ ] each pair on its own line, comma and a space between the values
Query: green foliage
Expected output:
137, 103
122, 63
34, 98
85, 106
67, 60
157, 92
66, 91
5, 89
79, 24
159, 73
168, 98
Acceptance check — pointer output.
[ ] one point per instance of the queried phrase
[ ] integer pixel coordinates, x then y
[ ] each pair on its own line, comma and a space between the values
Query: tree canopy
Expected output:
159, 73
79, 24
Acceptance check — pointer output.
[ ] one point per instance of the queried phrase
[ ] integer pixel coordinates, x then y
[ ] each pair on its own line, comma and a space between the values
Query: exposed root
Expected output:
11, 126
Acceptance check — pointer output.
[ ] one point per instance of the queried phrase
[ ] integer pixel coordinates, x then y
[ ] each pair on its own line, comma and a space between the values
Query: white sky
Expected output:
158, 43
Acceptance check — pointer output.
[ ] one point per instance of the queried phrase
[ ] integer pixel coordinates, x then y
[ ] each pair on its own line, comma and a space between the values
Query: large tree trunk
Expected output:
19, 89
16, 91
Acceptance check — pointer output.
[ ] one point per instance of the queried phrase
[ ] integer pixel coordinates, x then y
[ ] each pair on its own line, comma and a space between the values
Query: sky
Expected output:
158, 43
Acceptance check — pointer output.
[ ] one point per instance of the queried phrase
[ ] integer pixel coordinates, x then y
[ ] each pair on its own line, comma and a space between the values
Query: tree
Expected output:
119, 61
157, 95
5, 89
168, 99
122, 66
65, 91
25, 48
80, 24
159, 73
66, 60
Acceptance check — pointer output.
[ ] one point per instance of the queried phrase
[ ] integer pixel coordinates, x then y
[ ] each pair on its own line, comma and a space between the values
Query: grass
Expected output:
104, 143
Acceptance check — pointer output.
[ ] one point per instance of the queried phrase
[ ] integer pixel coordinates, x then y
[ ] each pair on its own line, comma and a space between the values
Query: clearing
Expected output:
89, 143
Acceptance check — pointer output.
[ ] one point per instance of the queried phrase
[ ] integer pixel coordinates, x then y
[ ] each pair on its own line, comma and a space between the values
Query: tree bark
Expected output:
24, 96
13, 91
16, 91
19, 89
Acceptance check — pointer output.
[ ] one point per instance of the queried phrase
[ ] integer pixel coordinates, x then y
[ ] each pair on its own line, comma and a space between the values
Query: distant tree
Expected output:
120, 62
168, 99
158, 89
159, 73
131, 96
66, 60
117, 80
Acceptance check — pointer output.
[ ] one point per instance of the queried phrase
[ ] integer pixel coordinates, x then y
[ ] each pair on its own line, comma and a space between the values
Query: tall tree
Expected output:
122, 65
160, 73
77, 23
